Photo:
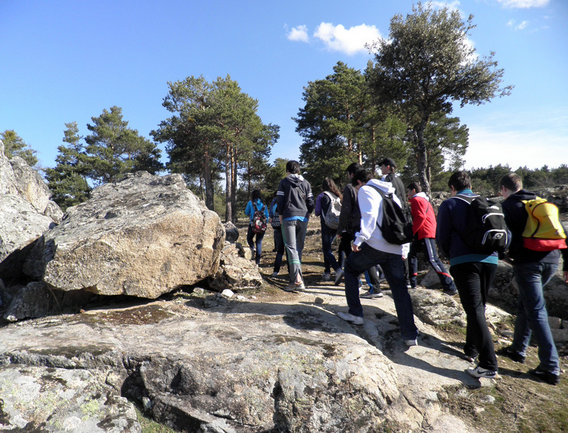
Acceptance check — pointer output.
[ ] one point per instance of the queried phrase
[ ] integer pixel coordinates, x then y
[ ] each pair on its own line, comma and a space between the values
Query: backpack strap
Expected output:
384, 195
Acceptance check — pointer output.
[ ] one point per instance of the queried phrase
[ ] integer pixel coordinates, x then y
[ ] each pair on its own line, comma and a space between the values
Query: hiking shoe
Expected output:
546, 376
451, 292
356, 320
326, 276
410, 343
293, 287
371, 295
512, 354
338, 276
478, 372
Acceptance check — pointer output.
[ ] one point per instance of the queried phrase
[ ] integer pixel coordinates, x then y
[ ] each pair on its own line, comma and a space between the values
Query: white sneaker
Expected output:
356, 320
275, 274
410, 343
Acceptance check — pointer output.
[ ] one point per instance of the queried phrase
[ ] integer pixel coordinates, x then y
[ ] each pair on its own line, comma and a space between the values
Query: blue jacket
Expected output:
259, 206
452, 216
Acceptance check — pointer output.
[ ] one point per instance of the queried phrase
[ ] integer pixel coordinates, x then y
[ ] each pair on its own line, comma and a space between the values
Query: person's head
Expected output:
387, 166
329, 185
352, 169
256, 195
460, 180
412, 189
510, 184
293, 167
360, 178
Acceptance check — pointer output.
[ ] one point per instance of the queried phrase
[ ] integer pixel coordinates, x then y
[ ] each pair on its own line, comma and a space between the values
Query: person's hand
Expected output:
338, 236
566, 276
355, 248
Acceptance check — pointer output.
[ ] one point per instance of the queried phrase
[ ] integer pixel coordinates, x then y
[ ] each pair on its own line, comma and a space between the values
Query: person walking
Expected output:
349, 224
370, 249
473, 274
532, 270
274, 220
295, 203
254, 238
388, 170
324, 202
424, 229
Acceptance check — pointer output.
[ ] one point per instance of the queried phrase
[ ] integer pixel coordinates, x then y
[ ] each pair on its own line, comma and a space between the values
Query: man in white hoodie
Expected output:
369, 249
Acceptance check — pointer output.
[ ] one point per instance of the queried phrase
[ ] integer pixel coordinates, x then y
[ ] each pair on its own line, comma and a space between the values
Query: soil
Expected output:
513, 403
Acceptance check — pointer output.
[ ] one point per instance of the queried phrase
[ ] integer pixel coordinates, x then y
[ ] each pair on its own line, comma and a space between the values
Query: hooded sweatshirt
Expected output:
370, 205
423, 217
516, 219
294, 198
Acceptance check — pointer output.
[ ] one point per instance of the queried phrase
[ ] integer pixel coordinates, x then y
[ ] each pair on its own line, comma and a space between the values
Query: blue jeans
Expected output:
294, 234
358, 262
329, 260
532, 316
258, 243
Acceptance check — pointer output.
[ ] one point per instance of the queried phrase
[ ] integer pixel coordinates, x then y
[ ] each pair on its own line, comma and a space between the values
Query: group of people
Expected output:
363, 250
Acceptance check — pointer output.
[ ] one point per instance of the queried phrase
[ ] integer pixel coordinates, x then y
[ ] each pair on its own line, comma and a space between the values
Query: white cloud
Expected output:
516, 26
453, 6
349, 41
299, 34
524, 4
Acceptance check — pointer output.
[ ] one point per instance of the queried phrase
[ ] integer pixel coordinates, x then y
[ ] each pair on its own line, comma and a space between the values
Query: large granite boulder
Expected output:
142, 236
26, 210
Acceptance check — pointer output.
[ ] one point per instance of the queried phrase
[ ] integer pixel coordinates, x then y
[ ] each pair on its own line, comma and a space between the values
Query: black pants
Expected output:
473, 281
345, 246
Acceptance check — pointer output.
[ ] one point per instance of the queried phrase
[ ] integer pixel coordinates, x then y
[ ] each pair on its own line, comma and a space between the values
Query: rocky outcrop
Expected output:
236, 271
203, 363
26, 210
142, 236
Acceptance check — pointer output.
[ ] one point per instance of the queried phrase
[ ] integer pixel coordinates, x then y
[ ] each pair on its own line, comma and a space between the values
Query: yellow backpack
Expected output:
543, 231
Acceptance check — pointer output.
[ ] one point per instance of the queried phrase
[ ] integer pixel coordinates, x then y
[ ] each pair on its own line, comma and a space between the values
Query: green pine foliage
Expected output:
14, 145
425, 65
108, 153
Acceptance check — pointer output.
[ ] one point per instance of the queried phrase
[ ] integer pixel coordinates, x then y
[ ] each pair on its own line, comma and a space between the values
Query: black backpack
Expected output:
486, 230
396, 225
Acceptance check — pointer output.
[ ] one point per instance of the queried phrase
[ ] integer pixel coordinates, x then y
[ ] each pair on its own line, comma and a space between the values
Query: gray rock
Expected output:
235, 272
142, 236
26, 211
231, 232
59, 399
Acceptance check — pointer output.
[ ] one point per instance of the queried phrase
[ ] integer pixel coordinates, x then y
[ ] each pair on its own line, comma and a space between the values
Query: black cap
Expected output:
388, 161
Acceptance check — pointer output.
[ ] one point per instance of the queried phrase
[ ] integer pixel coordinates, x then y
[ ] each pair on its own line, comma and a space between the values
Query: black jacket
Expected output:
294, 197
350, 216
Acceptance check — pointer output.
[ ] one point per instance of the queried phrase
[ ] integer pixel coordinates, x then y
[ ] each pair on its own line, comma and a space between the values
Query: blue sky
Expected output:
67, 60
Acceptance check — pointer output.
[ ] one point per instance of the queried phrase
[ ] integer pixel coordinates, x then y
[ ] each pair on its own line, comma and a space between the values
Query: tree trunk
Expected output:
209, 194
234, 182
421, 156
228, 189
